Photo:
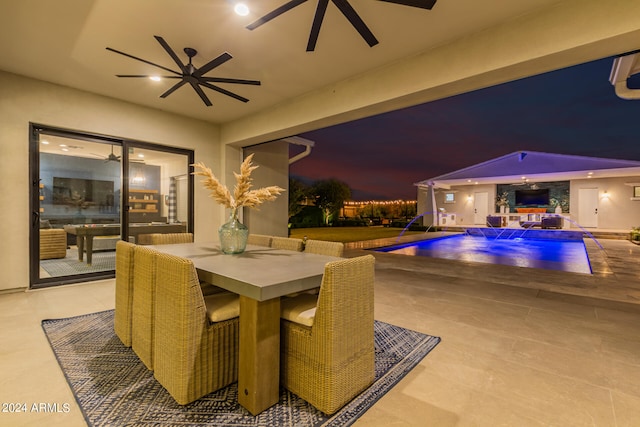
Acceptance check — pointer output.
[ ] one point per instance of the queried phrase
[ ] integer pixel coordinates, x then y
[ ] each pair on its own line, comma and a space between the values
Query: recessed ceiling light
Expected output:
155, 78
141, 155
45, 142
63, 145
65, 149
241, 9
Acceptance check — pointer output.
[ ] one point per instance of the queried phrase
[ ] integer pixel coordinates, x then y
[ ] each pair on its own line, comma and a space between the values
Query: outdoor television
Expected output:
532, 197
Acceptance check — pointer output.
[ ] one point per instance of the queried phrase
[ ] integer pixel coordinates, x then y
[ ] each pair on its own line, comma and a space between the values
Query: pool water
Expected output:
550, 254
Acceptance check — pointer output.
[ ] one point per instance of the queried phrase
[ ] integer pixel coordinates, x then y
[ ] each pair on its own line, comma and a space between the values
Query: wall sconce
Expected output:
605, 195
469, 198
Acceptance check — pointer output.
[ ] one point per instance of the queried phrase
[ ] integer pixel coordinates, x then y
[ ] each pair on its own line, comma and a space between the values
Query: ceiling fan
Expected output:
347, 10
110, 158
190, 74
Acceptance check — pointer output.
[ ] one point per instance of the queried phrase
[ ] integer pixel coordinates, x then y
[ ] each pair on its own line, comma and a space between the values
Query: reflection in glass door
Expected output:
158, 195
77, 215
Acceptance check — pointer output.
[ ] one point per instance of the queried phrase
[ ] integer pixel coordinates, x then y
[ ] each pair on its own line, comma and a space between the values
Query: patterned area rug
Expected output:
114, 388
100, 261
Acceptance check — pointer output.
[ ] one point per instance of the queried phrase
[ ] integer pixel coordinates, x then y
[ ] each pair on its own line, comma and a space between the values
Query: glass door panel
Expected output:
158, 195
78, 207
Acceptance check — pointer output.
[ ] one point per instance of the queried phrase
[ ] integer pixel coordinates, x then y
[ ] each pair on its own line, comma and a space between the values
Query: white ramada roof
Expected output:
536, 167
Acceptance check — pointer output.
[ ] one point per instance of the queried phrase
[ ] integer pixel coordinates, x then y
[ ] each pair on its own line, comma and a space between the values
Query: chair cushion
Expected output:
222, 306
299, 309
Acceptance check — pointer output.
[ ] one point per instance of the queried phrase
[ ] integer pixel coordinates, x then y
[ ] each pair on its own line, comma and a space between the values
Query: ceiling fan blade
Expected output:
173, 88
225, 80
147, 76
317, 23
143, 60
350, 13
224, 91
275, 13
212, 64
201, 94
422, 4
171, 53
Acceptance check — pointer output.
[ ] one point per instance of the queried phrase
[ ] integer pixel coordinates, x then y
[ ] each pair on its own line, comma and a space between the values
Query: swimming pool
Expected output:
550, 254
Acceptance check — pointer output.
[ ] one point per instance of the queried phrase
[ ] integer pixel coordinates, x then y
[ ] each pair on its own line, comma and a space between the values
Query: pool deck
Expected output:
614, 283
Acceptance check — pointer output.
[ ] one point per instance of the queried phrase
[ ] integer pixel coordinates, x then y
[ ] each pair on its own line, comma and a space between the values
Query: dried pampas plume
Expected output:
243, 195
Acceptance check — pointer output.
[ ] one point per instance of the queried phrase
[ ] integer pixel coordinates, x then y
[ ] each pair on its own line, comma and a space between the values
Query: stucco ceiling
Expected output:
65, 41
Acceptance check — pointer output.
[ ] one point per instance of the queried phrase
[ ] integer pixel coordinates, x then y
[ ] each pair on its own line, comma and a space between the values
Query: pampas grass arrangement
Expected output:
243, 195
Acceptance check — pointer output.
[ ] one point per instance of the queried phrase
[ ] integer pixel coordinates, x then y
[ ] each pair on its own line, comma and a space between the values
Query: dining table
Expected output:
260, 276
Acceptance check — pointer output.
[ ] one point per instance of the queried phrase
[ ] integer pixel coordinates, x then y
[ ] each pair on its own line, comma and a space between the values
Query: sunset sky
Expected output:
570, 111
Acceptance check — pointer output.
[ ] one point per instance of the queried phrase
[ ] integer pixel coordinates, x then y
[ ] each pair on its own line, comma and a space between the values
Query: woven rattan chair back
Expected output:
144, 295
287, 243
324, 248
259, 239
332, 361
124, 291
193, 357
171, 238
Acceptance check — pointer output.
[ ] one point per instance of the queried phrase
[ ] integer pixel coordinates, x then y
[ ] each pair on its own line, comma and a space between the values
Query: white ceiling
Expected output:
65, 41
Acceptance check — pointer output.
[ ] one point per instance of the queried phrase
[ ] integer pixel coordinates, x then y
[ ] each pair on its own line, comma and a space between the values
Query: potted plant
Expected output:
502, 202
233, 234
635, 235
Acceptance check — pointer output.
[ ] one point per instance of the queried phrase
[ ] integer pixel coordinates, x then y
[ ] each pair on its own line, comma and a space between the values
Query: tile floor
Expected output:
519, 348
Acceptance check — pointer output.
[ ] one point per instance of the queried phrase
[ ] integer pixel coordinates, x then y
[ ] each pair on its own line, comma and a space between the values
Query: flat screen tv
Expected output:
532, 197
70, 191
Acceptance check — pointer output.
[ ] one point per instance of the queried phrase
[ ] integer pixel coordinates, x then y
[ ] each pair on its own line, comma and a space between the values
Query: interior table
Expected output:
260, 275
86, 233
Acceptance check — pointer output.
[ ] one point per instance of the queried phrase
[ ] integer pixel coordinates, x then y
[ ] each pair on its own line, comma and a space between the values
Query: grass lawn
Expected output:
348, 234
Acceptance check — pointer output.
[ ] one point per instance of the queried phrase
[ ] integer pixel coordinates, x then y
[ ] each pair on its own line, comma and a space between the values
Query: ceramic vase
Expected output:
233, 235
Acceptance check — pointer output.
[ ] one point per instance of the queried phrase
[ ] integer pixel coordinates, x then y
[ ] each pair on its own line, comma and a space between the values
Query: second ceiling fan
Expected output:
347, 10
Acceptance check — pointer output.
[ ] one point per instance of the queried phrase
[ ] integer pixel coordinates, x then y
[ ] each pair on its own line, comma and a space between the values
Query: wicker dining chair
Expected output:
287, 243
171, 238
324, 248
124, 291
144, 297
196, 344
259, 239
327, 342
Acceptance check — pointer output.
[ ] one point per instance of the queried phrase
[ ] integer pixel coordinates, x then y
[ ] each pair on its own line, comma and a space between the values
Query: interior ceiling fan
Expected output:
188, 73
114, 158
110, 158
347, 10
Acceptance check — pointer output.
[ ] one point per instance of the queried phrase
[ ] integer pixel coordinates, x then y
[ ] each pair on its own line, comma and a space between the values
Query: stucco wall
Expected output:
616, 210
24, 100
273, 160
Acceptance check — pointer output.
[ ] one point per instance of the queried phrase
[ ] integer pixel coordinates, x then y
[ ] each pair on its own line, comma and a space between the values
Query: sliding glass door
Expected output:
158, 192
89, 191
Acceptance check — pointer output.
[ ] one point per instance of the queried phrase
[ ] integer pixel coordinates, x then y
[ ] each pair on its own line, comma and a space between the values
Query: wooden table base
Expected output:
259, 353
